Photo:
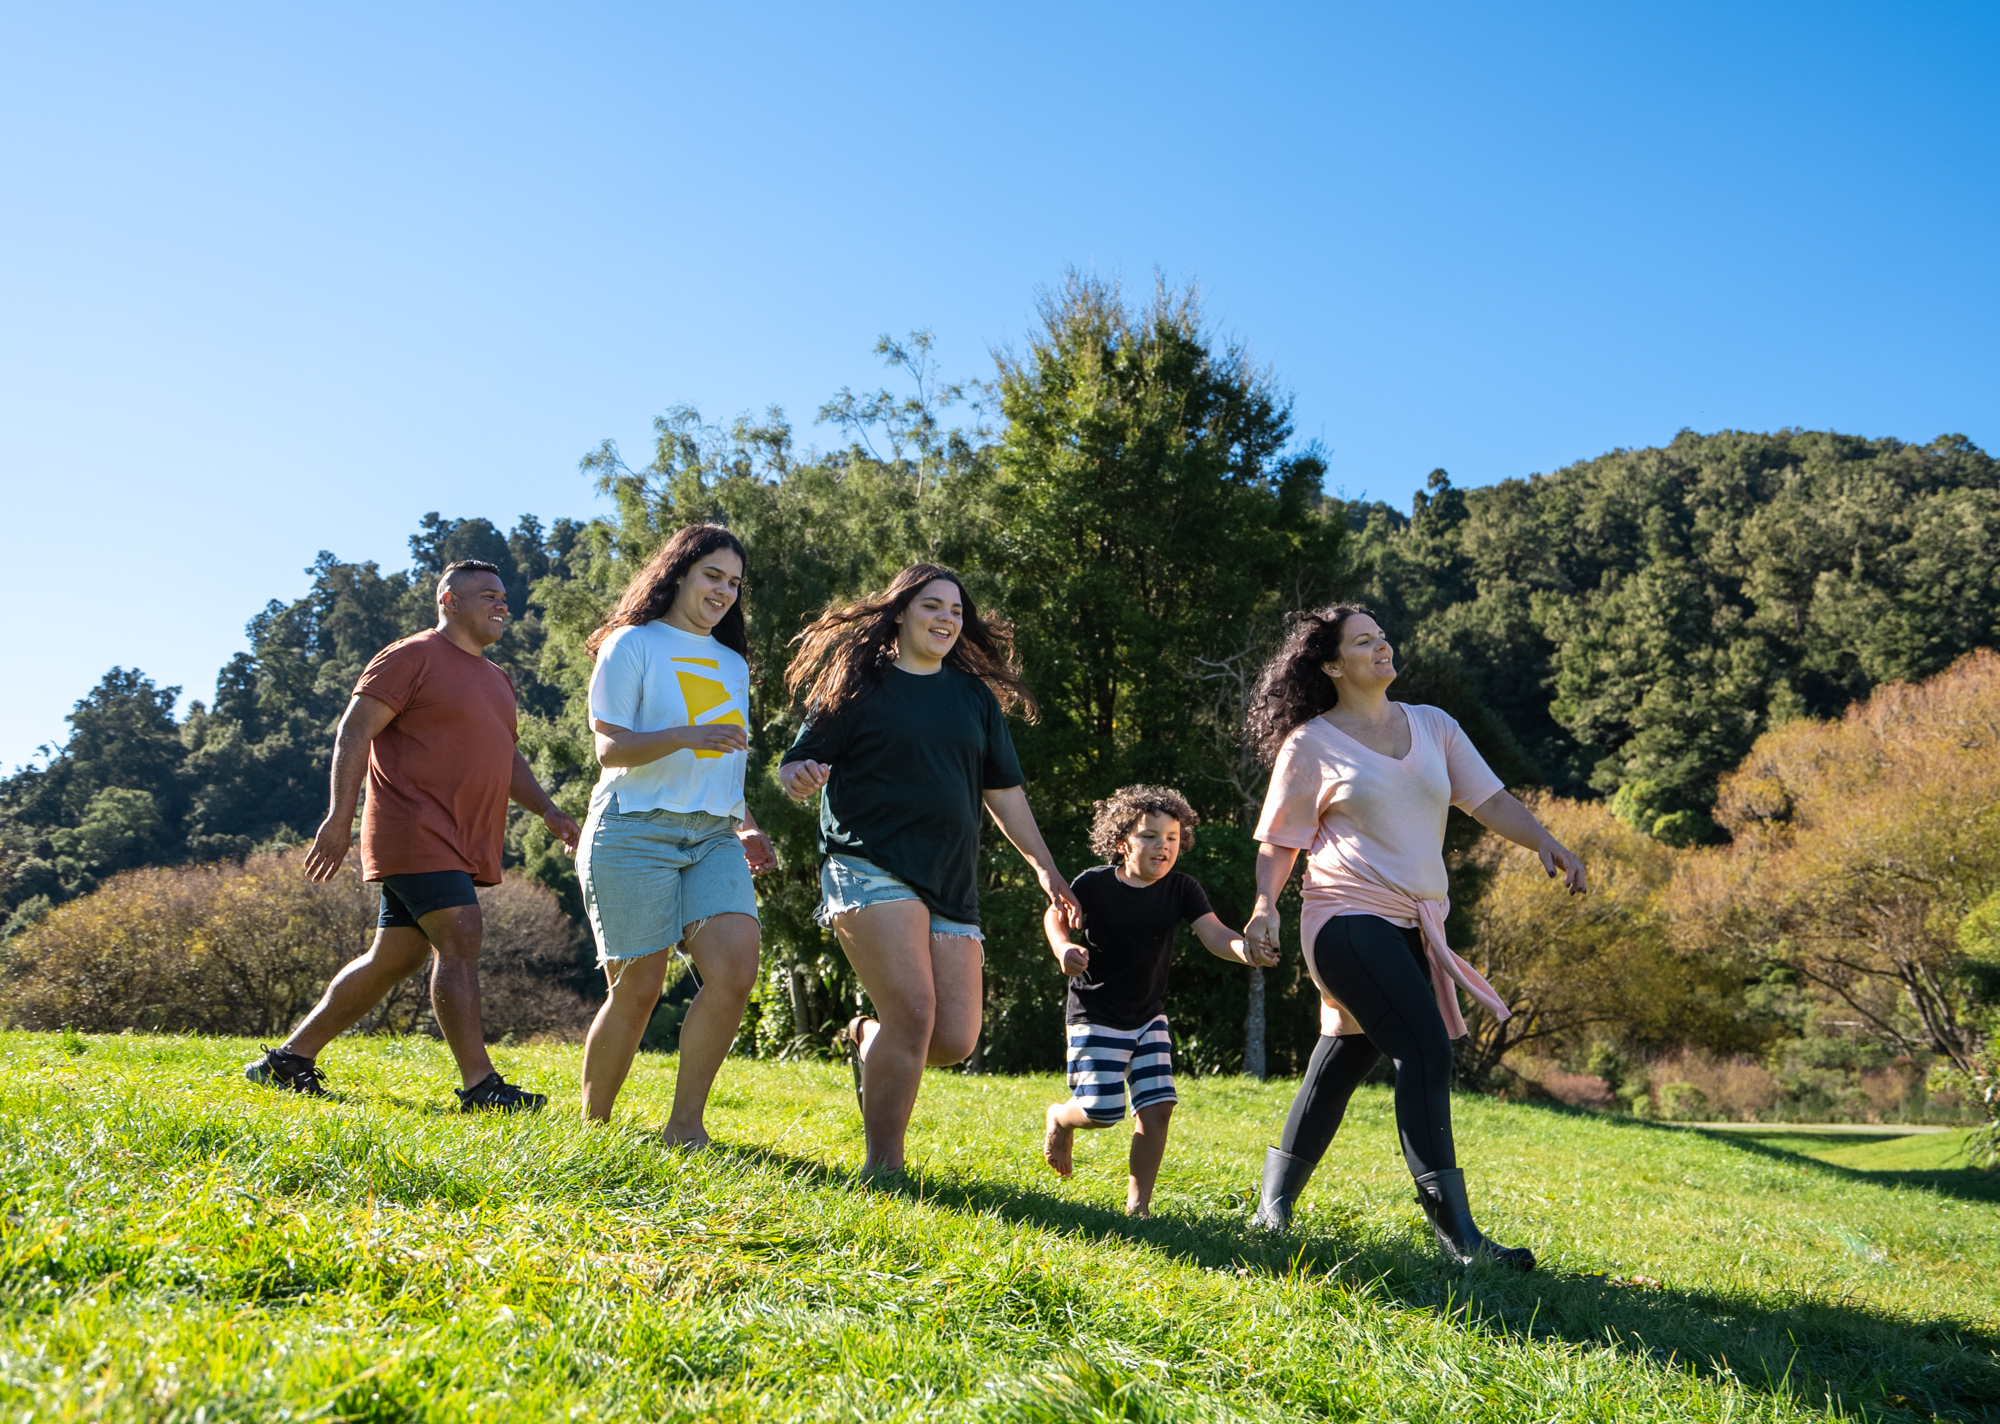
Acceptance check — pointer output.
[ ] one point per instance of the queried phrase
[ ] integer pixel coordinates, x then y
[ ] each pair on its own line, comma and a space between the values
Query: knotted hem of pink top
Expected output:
1323, 902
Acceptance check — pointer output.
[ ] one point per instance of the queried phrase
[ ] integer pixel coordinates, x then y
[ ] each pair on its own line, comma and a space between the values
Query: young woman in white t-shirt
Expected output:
1364, 785
669, 846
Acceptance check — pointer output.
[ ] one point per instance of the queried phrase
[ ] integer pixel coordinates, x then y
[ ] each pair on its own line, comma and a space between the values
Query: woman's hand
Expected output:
715, 737
1558, 857
757, 849
1061, 896
1261, 931
802, 778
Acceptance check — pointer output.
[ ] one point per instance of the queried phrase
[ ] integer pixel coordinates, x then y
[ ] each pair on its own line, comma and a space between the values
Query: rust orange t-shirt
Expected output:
439, 773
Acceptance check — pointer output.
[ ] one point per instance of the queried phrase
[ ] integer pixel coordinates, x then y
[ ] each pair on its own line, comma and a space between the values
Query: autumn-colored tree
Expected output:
1863, 851
1576, 968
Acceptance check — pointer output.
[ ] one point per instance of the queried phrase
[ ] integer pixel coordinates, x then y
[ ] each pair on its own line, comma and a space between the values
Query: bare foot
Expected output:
1133, 1209
1057, 1138
693, 1141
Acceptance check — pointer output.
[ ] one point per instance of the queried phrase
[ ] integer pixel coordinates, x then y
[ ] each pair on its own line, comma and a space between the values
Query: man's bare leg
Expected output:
454, 932
361, 984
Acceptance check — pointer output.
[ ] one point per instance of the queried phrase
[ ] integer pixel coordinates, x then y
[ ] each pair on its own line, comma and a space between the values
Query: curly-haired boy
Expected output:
1117, 1019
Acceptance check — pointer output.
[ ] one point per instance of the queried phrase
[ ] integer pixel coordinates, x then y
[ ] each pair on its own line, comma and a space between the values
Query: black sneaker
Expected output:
495, 1094
279, 1069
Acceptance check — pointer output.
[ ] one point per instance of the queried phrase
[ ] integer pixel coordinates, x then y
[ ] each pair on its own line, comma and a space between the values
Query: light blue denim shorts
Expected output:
847, 882
651, 877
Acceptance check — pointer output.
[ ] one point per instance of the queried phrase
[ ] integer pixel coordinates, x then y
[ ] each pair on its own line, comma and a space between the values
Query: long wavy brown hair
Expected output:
651, 593
843, 652
1293, 689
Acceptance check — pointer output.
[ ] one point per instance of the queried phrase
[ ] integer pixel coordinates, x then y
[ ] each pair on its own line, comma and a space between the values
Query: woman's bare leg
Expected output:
889, 947
724, 951
614, 1036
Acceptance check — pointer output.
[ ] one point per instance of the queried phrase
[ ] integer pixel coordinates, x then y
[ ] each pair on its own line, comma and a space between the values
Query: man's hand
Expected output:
1257, 956
562, 828
328, 851
801, 778
1075, 959
758, 850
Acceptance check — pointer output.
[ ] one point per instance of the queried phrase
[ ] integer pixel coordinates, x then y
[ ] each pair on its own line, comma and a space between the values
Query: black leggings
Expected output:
1380, 972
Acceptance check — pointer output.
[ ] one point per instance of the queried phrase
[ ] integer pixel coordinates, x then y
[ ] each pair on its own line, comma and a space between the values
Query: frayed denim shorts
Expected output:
847, 882
651, 877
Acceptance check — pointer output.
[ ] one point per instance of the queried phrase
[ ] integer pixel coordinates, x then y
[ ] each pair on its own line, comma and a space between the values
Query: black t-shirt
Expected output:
1129, 931
910, 757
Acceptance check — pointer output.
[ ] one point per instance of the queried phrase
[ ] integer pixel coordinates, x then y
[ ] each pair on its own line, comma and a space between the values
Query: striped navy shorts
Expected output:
1102, 1061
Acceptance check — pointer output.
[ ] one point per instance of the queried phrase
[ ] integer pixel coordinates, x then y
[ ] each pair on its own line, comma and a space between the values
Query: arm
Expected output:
362, 722
1274, 868
621, 746
1071, 956
526, 791
757, 847
1504, 815
1009, 808
1224, 943
801, 778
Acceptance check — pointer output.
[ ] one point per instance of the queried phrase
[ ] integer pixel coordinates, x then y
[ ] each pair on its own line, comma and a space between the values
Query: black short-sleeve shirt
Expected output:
1129, 931
910, 758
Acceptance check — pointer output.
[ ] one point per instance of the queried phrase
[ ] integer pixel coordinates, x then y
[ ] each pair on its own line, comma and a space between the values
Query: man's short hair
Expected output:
464, 566
1120, 813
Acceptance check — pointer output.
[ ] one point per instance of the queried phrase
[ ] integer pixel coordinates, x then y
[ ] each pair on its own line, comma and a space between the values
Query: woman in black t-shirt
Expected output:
905, 693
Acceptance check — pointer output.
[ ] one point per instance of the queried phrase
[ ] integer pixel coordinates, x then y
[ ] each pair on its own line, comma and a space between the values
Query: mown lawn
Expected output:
180, 1245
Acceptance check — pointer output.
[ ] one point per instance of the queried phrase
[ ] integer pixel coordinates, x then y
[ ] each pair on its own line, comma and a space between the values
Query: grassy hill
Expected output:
176, 1244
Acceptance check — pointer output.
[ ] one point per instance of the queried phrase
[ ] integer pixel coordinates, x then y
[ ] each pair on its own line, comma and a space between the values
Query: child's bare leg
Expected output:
1059, 1124
1149, 1145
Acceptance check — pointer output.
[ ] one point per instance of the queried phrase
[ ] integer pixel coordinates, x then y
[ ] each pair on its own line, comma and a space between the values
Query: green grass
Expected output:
177, 1244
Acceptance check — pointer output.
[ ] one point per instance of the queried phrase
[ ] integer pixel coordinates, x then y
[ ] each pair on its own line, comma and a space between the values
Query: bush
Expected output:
1683, 1102
246, 947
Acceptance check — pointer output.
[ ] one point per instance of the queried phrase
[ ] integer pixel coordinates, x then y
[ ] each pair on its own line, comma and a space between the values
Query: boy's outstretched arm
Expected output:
1224, 943
1073, 957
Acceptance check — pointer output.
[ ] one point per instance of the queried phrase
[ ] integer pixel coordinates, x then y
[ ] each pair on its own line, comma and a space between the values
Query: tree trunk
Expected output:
1253, 1027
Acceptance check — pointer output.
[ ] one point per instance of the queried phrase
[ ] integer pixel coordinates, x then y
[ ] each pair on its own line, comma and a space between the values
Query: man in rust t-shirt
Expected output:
431, 729
440, 772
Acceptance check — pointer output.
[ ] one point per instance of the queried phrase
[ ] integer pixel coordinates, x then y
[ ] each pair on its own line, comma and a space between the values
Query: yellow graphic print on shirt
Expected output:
704, 694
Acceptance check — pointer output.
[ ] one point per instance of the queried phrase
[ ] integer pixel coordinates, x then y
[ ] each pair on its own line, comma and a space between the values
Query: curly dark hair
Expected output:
843, 652
1293, 689
1123, 809
651, 593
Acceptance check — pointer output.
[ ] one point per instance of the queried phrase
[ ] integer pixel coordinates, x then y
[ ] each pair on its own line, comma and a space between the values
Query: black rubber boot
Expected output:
1442, 1196
1285, 1176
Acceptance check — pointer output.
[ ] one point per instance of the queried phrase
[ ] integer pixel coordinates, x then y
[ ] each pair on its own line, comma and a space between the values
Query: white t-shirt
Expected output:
657, 676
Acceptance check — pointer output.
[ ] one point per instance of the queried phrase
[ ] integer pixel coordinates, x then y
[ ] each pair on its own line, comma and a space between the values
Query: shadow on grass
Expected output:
1823, 1351
1972, 1184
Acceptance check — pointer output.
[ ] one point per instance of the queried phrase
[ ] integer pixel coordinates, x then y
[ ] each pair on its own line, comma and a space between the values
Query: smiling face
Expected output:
1366, 661
708, 589
928, 628
1151, 847
475, 603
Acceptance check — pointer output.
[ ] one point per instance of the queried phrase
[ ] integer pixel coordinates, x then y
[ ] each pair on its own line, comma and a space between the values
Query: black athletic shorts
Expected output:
408, 898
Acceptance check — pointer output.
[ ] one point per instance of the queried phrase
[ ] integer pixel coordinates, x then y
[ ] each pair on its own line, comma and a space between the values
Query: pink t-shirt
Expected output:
1373, 830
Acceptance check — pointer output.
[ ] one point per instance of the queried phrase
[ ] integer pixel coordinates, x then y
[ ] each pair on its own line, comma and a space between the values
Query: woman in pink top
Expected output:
1363, 785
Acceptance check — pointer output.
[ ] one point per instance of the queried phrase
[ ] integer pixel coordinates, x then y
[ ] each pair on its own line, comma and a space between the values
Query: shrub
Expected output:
246, 947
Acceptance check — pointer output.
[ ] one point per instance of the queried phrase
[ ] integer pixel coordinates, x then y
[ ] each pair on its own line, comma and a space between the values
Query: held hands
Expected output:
328, 850
1260, 936
801, 778
757, 849
562, 828
1558, 857
1062, 897
1257, 956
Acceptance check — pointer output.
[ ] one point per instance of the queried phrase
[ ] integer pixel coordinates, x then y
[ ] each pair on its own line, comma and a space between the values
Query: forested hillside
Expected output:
1127, 489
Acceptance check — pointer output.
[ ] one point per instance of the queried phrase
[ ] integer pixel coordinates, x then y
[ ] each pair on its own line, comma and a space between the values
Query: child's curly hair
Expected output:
1123, 809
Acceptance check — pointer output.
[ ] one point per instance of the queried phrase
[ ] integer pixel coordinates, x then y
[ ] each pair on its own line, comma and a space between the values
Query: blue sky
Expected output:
283, 278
